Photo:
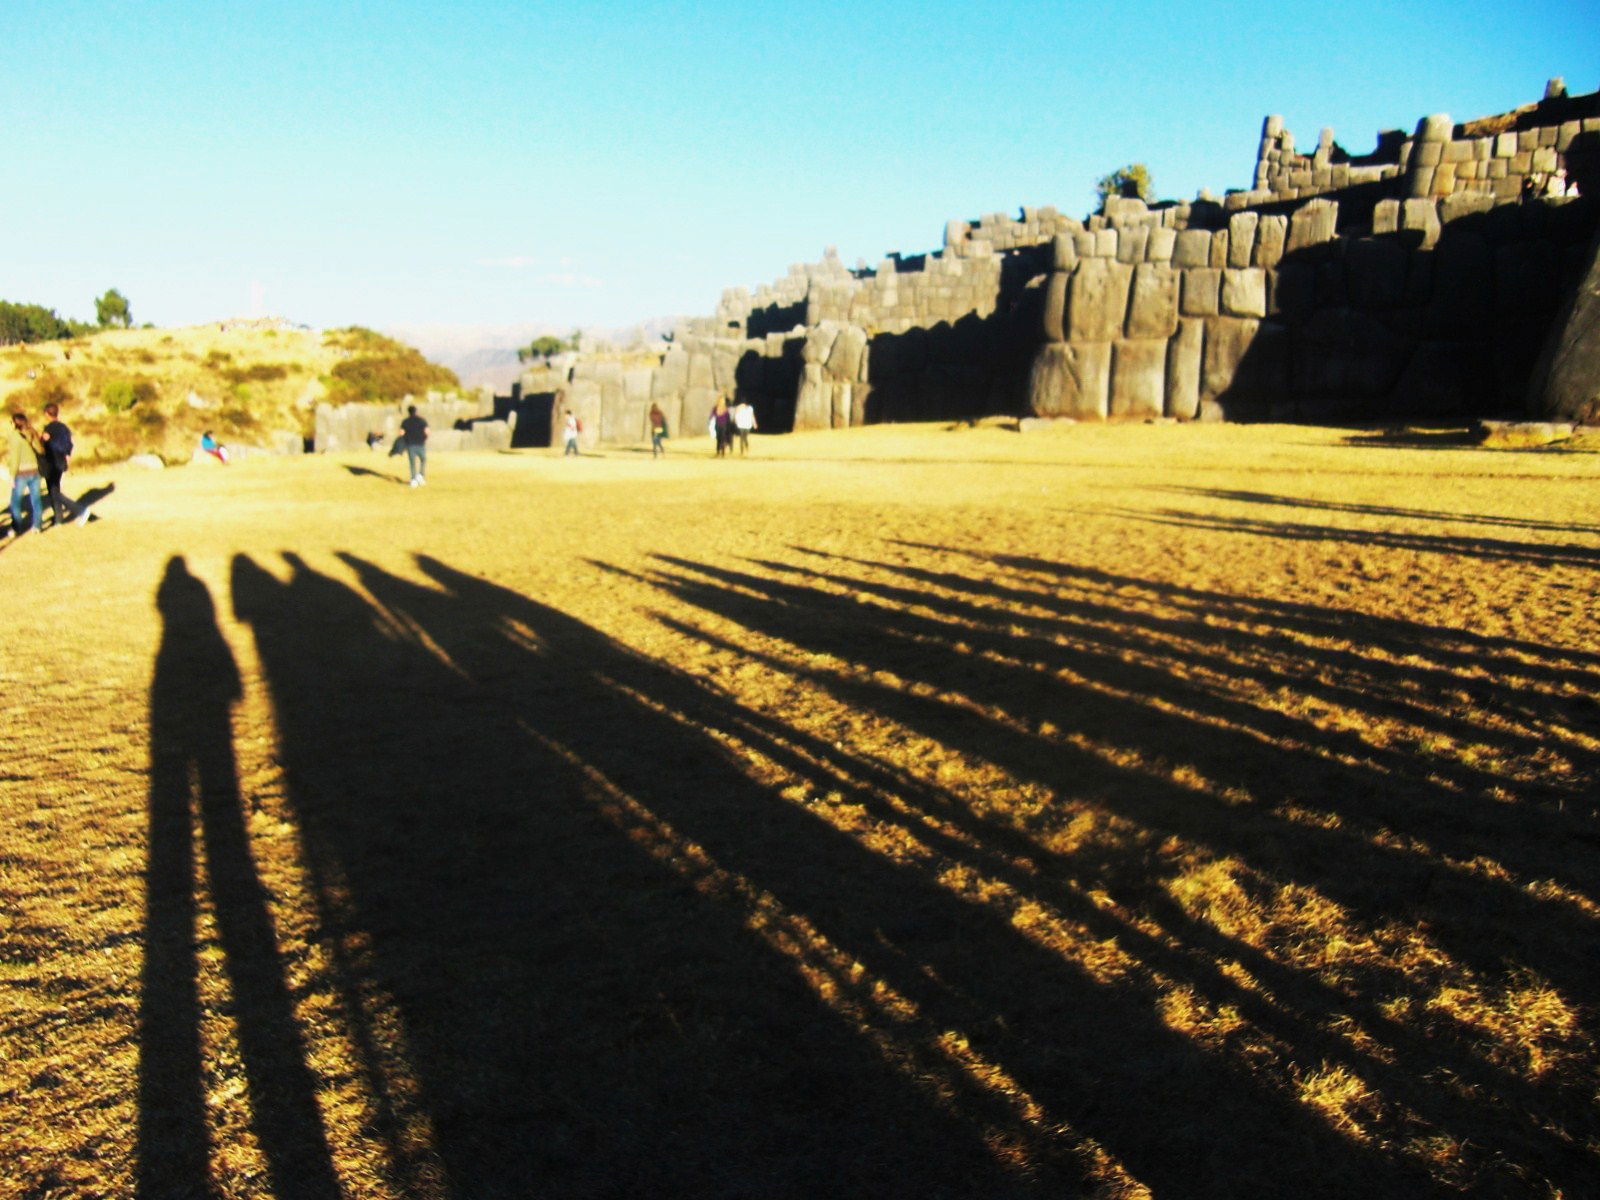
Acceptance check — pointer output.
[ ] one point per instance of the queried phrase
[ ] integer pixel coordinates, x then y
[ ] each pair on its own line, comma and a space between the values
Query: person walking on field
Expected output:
722, 427
53, 463
570, 428
23, 448
744, 420
658, 430
415, 432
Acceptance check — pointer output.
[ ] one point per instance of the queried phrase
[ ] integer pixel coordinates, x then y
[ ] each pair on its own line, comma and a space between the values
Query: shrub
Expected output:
121, 395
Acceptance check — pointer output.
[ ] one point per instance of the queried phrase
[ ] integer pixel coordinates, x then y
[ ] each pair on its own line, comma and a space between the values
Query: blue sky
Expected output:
476, 163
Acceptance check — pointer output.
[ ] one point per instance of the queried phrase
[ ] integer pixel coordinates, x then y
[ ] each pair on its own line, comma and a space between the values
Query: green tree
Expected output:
112, 310
1132, 181
547, 346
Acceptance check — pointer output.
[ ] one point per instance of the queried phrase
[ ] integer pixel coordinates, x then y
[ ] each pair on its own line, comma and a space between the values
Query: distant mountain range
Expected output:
486, 355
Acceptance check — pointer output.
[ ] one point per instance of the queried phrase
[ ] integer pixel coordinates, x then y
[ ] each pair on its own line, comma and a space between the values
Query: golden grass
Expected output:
1138, 811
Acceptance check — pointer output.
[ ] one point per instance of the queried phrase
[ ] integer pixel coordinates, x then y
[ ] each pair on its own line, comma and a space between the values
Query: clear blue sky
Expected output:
400, 161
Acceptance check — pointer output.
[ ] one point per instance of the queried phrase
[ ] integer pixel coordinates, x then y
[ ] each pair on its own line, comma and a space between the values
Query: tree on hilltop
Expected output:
547, 346
1131, 182
112, 311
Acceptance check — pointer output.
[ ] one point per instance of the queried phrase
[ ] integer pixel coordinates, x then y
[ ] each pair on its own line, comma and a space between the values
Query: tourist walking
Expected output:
23, 448
722, 427
570, 429
53, 461
414, 431
744, 420
658, 430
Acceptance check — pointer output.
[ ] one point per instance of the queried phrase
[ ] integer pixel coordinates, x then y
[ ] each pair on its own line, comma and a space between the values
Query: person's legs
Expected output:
59, 504
30, 483
416, 461
16, 504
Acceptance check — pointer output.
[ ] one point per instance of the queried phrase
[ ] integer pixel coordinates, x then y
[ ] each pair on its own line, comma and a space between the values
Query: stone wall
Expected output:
1418, 280
454, 423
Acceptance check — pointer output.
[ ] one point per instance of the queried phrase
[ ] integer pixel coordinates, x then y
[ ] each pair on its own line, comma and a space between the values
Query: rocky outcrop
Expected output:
1566, 381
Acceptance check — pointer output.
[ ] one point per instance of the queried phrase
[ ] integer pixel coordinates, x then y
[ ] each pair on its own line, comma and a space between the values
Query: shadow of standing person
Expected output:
194, 687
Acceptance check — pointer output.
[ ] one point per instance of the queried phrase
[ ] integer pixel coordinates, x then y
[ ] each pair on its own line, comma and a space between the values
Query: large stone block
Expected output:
845, 356
1138, 378
1565, 384
1242, 238
697, 405
1055, 306
1153, 311
1097, 300
1420, 215
1160, 246
1312, 224
1183, 370
1244, 292
1219, 248
1131, 243
1463, 286
1201, 291
1226, 342
1272, 232
1193, 248
1064, 251
1071, 379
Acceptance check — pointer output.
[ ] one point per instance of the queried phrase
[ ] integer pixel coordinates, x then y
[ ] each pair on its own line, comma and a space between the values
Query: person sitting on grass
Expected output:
213, 447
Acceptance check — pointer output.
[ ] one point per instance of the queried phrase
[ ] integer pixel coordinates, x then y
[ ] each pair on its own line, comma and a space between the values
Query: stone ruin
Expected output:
1421, 280
454, 423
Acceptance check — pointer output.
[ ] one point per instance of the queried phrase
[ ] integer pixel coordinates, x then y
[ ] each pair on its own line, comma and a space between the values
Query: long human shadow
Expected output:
193, 778
1228, 746
1483, 922
1273, 500
581, 1016
1096, 1057
1492, 549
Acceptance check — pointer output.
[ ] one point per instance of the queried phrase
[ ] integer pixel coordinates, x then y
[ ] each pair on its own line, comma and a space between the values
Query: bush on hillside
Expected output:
381, 370
120, 395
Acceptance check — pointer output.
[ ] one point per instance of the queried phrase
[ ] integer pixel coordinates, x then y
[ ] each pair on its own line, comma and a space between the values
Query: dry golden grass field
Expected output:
1172, 811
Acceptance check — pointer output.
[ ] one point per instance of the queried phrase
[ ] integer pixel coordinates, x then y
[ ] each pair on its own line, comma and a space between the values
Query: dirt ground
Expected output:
1169, 811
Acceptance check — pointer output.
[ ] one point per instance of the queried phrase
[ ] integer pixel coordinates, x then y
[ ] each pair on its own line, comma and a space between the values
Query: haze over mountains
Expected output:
486, 355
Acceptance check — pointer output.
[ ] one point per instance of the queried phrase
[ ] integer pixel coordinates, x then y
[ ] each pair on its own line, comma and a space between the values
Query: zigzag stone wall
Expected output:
1418, 280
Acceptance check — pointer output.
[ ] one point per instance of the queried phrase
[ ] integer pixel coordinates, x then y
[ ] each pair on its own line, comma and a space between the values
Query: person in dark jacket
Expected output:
414, 432
53, 464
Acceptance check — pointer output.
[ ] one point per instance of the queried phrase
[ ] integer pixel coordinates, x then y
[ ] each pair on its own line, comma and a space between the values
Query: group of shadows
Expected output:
581, 1016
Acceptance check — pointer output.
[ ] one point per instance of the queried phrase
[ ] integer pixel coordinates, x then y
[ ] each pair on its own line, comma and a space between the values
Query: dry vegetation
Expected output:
154, 391
1168, 812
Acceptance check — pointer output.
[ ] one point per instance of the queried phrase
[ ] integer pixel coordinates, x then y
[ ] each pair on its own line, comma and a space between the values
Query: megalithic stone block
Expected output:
1138, 378
1183, 369
1242, 238
1565, 384
1097, 300
1055, 306
1153, 311
1193, 248
1201, 291
1312, 223
1271, 234
1064, 251
1227, 339
1244, 292
1071, 379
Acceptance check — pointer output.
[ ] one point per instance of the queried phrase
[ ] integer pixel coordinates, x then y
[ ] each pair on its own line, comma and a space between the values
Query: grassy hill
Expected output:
132, 391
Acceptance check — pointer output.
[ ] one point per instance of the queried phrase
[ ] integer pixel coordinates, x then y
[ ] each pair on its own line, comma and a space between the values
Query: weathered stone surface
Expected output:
1097, 300
697, 405
1201, 291
1183, 370
581, 396
1055, 306
1566, 380
700, 371
1445, 379
1272, 232
1226, 341
1244, 292
1193, 248
1153, 311
845, 356
1463, 286
1160, 246
1071, 379
1242, 238
1064, 251
1131, 243
1138, 378
1421, 217
1345, 355
1219, 249
1312, 224
1386, 216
